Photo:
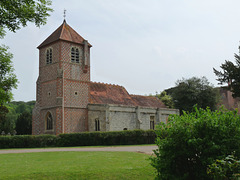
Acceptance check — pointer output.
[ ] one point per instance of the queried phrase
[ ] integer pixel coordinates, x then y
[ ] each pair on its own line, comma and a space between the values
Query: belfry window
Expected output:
49, 56
151, 122
97, 125
49, 121
75, 55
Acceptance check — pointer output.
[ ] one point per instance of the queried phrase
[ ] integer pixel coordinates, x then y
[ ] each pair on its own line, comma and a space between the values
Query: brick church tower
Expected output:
63, 83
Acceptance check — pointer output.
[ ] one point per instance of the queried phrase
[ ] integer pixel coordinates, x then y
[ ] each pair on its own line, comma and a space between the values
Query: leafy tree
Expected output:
10, 121
18, 107
165, 98
24, 123
16, 13
14, 110
21, 108
13, 14
193, 91
3, 113
8, 125
230, 75
8, 79
189, 143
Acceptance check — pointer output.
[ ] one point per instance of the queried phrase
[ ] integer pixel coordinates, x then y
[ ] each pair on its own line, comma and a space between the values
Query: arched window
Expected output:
75, 55
49, 56
97, 125
49, 121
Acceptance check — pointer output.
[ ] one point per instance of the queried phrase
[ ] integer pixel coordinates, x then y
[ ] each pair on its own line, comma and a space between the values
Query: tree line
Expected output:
16, 118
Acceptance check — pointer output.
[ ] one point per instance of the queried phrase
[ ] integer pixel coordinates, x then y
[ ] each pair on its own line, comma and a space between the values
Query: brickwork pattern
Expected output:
49, 93
36, 120
49, 72
58, 121
55, 54
75, 120
73, 70
76, 94
38, 91
66, 51
62, 77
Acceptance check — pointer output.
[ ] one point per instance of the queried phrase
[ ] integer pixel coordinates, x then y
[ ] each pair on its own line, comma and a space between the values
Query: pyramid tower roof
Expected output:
65, 33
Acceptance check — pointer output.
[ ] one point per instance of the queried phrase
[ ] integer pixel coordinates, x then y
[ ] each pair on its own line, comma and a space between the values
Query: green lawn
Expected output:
76, 165
82, 146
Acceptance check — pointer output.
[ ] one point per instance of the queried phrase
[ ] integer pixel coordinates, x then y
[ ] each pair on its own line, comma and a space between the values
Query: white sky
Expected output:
143, 45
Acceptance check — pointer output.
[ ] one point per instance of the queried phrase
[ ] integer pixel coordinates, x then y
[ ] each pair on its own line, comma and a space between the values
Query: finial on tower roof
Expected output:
239, 48
64, 14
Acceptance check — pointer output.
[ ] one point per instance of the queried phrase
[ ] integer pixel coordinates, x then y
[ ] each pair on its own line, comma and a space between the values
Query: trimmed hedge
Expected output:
130, 137
27, 141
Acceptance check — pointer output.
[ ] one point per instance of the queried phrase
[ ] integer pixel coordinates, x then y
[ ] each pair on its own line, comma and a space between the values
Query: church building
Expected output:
67, 101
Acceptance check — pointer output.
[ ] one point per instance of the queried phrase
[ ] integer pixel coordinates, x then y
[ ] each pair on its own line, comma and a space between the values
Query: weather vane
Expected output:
64, 13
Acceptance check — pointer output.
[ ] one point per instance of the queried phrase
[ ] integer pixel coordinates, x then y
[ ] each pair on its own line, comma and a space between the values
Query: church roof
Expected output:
101, 93
66, 33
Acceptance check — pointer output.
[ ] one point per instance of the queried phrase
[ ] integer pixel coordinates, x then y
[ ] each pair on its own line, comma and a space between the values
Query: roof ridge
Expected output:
143, 95
136, 95
109, 84
64, 22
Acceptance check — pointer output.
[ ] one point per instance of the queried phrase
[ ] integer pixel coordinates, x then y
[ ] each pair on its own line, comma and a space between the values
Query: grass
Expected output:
76, 165
82, 146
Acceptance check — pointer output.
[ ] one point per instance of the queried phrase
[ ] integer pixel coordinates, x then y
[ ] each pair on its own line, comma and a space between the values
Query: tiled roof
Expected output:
101, 93
64, 32
148, 101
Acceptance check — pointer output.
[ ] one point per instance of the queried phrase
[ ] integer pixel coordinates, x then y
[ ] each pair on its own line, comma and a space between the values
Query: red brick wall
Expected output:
75, 120
52, 78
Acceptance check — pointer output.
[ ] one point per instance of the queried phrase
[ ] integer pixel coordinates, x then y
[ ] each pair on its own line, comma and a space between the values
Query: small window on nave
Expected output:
97, 125
49, 56
75, 55
152, 122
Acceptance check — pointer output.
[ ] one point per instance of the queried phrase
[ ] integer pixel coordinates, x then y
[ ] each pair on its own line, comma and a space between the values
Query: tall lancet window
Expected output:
97, 125
49, 121
75, 55
49, 56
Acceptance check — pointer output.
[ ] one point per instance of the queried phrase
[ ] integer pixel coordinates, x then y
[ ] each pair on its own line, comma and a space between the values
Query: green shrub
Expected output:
187, 144
79, 139
27, 141
227, 168
107, 138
